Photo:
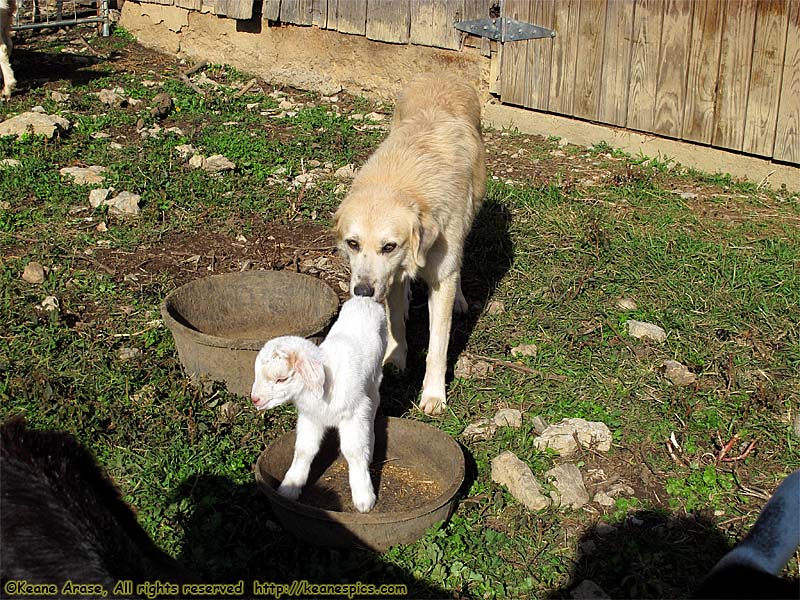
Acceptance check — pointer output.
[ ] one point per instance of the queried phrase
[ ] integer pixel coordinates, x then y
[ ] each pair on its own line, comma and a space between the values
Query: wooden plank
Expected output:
538, 57
296, 12
389, 20
564, 56
432, 23
190, 4
644, 64
512, 68
589, 66
240, 9
351, 16
703, 71
271, 11
613, 101
787, 139
734, 74
319, 13
476, 9
672, 67
765, 76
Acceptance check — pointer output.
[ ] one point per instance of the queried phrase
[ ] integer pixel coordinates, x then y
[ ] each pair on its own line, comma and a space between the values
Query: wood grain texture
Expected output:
513, 67
351, 16
296, 12
319, 13
271, 10
613, 101
673, 66
734, 74
769, 49
589, 64
564, 56
644, 64
538, 58
389, 20
432, 23
787, 138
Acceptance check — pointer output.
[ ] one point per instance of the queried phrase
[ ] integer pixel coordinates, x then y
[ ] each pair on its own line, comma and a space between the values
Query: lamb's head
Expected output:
287, 369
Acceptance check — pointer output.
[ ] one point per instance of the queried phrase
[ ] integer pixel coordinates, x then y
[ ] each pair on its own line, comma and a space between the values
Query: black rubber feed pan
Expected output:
220, 322
417, 471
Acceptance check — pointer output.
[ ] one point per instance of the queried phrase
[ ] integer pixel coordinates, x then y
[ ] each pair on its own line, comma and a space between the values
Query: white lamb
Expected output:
7, 10
336, 385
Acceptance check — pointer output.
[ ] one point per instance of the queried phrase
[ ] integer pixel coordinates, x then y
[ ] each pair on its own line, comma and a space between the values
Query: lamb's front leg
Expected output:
440, 312
357, 438
309, 439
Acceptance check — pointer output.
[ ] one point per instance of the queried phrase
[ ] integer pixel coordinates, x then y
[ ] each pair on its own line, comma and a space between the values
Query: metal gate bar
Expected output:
29, 16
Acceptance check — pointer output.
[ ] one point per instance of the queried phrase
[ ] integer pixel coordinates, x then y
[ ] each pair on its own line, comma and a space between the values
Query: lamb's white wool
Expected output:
7, 10
334, 385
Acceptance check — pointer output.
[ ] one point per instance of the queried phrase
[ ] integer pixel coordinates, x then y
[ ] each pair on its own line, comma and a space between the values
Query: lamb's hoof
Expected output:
290, 491
364, 501
432, 405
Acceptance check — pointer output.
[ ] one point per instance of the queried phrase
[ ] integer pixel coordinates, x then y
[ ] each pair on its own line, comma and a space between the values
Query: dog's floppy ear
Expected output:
424, 232
311, 372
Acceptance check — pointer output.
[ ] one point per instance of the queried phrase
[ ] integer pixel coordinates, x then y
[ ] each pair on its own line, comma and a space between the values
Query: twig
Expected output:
191, 84
201, 65
522, 368
726, 448
245, 88
96, 263
743, 455
95, 52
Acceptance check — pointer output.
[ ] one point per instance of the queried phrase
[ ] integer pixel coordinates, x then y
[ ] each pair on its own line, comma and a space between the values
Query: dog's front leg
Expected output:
357, 438
396, 313
309, 439
440, 312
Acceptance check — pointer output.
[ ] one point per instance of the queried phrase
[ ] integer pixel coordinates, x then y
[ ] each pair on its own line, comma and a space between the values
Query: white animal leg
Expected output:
397, 311
9, 83
357, 442
440, 310
309, 439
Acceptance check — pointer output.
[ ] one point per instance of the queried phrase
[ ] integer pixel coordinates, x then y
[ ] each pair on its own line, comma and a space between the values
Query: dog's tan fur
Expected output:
7, 10
410, 209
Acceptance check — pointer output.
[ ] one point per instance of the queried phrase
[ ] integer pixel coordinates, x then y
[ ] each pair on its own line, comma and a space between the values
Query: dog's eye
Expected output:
353, 245
388, 248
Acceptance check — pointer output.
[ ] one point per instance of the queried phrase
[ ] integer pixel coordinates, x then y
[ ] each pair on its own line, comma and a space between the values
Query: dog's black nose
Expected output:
364, 289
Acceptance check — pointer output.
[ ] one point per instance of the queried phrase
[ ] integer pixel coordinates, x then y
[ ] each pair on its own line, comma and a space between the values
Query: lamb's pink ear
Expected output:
311, 372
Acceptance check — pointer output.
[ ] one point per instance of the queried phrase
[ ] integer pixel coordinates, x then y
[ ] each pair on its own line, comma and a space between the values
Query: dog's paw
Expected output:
364, 500
290, 490
432, 405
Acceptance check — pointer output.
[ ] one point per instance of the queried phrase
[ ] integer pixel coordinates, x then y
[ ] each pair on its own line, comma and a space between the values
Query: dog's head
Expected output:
384, 234
286, 369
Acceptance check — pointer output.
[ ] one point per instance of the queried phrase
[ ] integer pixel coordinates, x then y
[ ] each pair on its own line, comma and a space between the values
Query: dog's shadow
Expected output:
488, 255
34, 68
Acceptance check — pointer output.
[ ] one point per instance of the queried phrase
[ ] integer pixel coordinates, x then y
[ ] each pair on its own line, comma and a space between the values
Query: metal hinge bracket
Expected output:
504, 29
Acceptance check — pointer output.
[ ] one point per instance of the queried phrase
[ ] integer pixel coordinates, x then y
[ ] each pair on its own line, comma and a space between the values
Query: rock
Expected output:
197, 161
98, 196
678, 374
508, 417
480, 430
796, 424
588, 590
468, 367
510, 471
128, 353
115, 97
561, 436
186, 151
39, 109
570, 489
124, 204
229, 411
33, 272
85, 175
50, 304
495, 307
626, 304
524, 350
643, 330
59, 96
287, 105
373, 116
345, 172
539, 425
99, 135
115, 146
217, 163
34, 123
9, 163
603, 499
163, 106
686, 195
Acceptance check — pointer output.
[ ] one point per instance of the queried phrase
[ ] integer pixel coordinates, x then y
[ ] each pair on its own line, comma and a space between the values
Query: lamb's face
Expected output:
277, 381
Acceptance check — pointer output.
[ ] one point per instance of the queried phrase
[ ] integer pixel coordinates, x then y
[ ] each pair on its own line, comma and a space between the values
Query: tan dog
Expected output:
409, 211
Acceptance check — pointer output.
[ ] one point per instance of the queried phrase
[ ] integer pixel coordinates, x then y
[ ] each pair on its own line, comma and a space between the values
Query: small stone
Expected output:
128, 353
85, 175
524, 350
687, 195
217, 163
345, 172
9, 163
570, 489
287, 105
59, 96
162, 106
603, 499
510, 471
373, 116
678, 374
626, 304
508, 417
115, 146
589, 590
644, 330
468, 367
483, 429
124, 204
495, 307
539, 425
50, 304
197, 161
98, 196
34, 123
33, 273
561, 436
99, 135
115, 97
39, 109
186, 151
102, 227
796, 423
230, 410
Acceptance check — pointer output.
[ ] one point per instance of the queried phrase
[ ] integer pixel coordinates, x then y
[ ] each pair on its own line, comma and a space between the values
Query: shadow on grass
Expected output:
34, 68
488, 255
648, 555
231, 535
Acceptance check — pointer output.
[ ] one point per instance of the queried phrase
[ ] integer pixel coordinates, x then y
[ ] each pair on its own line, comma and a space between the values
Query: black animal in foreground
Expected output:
751, 569
63, 520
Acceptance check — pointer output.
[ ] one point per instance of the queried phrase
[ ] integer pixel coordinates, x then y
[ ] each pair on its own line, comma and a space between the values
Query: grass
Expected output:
719, 272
